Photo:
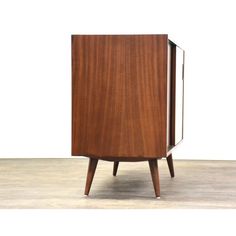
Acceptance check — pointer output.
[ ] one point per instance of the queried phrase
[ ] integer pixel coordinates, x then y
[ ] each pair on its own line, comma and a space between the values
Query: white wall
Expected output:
35, 69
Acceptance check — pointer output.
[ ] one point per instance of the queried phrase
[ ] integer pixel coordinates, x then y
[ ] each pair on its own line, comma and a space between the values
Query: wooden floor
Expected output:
59, 183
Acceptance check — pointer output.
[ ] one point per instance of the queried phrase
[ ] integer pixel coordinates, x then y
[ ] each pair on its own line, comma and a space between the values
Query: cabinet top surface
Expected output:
126, 35
119, 34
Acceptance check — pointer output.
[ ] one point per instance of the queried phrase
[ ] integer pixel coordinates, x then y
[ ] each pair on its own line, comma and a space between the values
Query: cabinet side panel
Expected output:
119, 95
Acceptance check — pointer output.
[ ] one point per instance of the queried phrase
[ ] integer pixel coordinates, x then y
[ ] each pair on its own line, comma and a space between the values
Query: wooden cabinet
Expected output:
127, 100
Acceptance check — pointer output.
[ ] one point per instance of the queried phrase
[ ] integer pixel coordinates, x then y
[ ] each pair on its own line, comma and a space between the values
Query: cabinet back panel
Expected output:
119, 95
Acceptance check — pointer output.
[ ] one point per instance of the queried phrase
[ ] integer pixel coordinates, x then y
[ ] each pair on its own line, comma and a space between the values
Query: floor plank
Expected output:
59, 183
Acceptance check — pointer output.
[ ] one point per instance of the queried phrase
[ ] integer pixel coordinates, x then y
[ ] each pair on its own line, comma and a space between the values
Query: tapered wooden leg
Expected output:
171, 165
155, 176
115, 167
90, 174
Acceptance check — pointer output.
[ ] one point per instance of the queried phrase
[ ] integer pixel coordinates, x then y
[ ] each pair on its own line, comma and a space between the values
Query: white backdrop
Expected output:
35, 69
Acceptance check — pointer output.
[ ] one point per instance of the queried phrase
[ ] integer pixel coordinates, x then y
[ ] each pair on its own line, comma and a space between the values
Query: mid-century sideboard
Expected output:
127, 100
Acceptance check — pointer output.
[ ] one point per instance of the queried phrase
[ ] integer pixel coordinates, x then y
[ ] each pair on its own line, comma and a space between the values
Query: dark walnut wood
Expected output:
123, 100
115, 167
90, 174
171, 166
119, 96
153, 164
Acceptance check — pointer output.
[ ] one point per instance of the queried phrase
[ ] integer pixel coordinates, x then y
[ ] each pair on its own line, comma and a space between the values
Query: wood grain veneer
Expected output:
119, 96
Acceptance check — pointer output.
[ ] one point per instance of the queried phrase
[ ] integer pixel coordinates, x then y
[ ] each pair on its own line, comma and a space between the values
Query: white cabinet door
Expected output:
179, 89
